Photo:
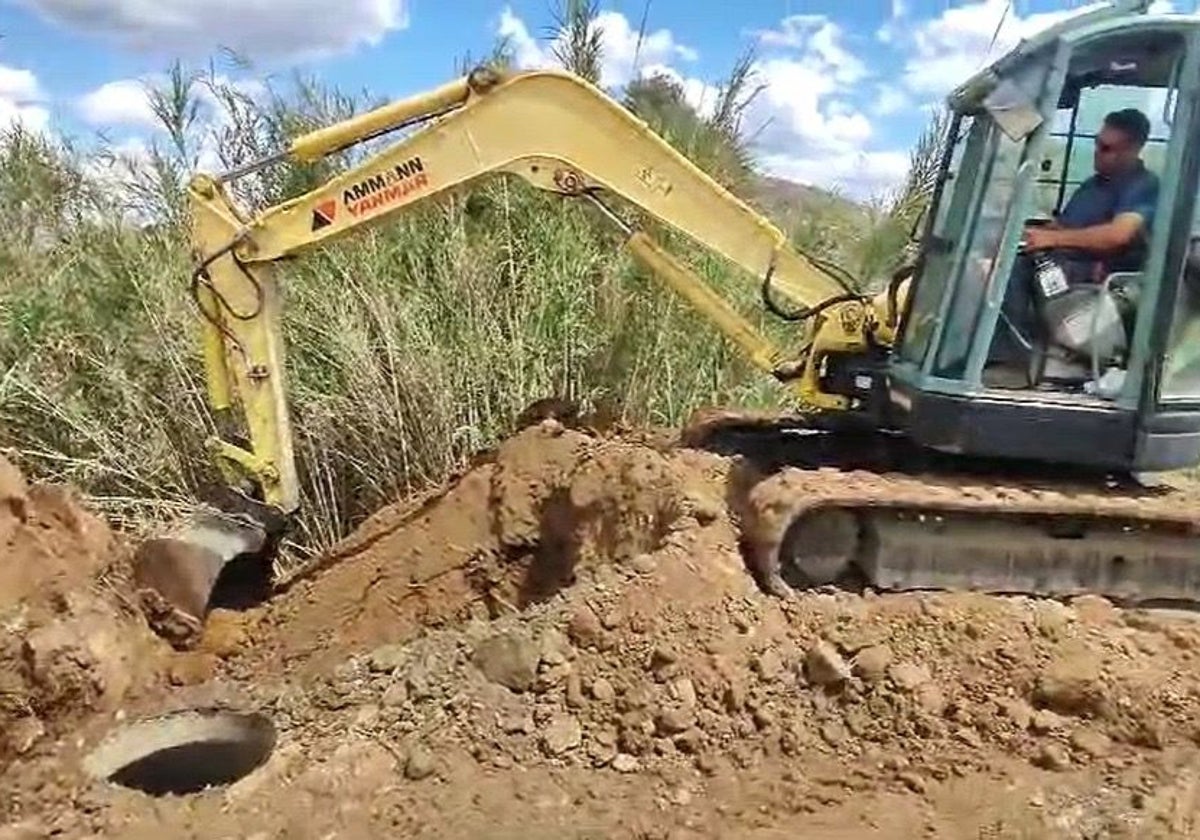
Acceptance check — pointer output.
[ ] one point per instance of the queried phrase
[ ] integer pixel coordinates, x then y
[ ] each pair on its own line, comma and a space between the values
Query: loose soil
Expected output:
565, 642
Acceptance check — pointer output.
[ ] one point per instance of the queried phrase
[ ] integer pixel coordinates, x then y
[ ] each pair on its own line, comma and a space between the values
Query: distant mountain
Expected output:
786, 201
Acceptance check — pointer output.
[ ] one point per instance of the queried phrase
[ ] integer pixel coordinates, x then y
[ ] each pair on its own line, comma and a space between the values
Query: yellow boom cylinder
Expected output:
317, 144
727, 319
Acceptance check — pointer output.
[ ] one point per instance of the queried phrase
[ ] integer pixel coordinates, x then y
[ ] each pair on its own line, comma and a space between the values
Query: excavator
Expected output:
1102, 396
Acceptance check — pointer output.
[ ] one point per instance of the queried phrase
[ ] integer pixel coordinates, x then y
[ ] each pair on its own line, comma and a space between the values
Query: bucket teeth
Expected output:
176, 575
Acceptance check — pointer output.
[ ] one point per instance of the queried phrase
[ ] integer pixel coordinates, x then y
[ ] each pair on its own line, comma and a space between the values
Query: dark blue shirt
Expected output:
1099, 200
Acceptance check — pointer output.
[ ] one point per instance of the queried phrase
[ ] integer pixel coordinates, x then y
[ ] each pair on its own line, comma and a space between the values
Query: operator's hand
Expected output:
1039, 238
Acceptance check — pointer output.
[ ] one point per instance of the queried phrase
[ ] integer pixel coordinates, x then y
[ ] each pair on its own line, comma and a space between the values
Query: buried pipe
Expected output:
183, 752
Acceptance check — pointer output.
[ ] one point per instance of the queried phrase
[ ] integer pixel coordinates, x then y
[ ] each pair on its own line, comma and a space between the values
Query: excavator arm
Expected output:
555, 131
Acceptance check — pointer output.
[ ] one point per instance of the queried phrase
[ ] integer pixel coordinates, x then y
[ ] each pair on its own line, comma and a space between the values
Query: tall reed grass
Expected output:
410, 346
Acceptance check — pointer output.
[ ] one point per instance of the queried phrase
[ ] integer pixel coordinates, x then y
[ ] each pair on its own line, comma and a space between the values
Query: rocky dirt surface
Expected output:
565, 642
71, 643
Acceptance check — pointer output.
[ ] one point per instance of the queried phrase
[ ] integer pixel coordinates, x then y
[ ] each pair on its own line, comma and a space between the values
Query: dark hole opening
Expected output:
244, 583
190, 768
185, 752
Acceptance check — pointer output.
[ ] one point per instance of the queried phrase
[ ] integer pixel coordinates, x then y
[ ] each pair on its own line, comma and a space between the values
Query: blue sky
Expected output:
848, 83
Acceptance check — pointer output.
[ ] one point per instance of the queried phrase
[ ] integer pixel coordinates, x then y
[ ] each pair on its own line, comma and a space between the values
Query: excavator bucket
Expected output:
176, 575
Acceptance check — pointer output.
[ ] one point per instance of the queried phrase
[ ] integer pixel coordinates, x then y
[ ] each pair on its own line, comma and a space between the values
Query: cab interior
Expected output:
1015, 157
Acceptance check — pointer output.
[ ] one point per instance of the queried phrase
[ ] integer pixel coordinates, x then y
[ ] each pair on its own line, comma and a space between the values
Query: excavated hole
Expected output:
243, 584
184, 752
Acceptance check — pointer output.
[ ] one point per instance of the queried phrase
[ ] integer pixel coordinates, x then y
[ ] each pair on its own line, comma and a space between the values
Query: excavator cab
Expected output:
1105, 373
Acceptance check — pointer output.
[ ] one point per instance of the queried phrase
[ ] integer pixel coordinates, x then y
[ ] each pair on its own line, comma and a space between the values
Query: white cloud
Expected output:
943, 51
807, 87
946, 50
792, 30
123, 105
264, 28
625, 54
124, 174
793, 107
214, 115
17, 84
126, 170
624, 51
527, 52
822, 39
699, 94
890, 99
803, 123
125, 102
809, 128
889, 29
22, 102
121, 162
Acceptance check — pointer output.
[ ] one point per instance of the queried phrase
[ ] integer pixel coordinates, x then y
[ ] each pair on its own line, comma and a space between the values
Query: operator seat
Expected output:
1078, 337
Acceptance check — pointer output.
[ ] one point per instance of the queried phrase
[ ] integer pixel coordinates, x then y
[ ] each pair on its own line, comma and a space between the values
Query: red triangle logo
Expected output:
324, 214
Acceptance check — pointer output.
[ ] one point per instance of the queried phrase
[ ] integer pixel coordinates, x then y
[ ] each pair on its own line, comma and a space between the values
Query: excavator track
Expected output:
905, 532
898, 522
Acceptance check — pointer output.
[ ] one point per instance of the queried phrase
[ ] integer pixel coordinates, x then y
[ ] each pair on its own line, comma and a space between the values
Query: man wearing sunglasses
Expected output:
1105, 226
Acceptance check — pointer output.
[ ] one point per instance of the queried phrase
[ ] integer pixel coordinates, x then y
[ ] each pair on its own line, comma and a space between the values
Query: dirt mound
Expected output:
673, 668
884, 715
509, 533
71, 644
566, 642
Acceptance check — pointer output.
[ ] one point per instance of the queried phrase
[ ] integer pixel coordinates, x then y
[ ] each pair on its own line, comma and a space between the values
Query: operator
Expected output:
1105, 226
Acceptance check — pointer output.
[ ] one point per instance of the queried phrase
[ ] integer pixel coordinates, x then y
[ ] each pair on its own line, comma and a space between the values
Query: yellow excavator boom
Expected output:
551, 129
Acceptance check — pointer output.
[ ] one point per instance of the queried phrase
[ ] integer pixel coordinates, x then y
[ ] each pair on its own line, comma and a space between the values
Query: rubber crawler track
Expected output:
775, 502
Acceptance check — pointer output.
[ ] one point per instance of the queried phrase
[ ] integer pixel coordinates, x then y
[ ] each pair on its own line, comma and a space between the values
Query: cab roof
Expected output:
1129, 16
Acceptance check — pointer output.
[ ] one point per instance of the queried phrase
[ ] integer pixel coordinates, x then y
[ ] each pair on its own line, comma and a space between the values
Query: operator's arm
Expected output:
1116, 235
1132, 216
